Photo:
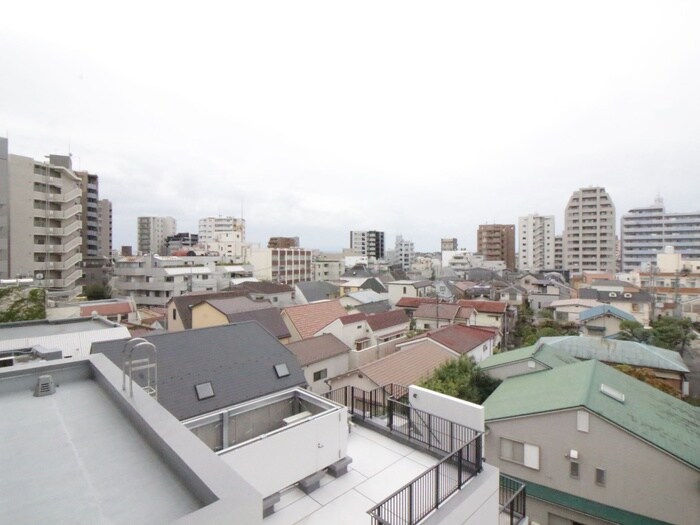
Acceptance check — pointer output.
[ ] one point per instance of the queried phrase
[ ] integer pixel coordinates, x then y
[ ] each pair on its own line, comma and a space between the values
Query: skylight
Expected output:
281, 370
204, 390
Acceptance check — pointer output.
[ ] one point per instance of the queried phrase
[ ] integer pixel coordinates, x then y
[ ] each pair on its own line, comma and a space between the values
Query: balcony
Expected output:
512, 499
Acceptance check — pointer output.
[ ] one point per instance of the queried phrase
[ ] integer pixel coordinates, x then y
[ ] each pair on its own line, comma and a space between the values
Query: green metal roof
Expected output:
586, 506
511, 356
662, 420
549, 357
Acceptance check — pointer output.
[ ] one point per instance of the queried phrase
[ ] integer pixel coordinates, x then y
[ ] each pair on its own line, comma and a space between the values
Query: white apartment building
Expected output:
210, 228
40, 221
281, 265
644, 232
589, 231
228, 245
461, 260
328, 266
404, 253
536, 243
369, 243
152, 233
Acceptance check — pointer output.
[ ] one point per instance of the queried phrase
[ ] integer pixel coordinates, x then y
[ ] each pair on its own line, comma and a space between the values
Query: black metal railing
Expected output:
415, 500
463, 446
511, 497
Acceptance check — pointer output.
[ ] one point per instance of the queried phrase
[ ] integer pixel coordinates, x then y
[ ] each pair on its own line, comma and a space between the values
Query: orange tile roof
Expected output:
461, 339
382, 320
315, 349
310, 318
491, 307
106, 309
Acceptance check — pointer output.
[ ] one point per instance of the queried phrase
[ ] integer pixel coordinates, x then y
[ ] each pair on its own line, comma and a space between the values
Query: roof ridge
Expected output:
653, 349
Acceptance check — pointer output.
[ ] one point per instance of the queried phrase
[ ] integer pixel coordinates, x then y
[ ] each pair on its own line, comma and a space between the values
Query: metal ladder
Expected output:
148, 363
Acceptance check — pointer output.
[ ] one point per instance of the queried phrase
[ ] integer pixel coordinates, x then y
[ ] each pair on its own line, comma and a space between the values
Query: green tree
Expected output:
22, 304
634, 331
462, 379
94, 292
672, 333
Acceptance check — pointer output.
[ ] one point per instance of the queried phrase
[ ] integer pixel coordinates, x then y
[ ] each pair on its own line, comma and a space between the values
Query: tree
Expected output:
672, 333
462, 379
22, 304
634, 331
94, 292
647, 375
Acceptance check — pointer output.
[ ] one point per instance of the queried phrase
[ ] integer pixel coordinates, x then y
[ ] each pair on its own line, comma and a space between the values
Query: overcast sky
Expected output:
317, 118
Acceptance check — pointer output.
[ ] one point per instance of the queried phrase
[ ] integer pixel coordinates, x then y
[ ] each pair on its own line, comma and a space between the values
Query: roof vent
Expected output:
613, 294
44, 386
204, 391
611, 392
281, 370
627, 295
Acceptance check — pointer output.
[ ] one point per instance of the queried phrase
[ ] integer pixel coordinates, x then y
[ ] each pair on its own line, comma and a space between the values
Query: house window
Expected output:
321, 374
582, 421
600, 477
521, 453
174, 314
574, 469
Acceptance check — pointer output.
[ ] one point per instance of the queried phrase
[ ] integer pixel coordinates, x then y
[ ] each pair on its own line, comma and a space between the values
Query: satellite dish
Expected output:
39, 276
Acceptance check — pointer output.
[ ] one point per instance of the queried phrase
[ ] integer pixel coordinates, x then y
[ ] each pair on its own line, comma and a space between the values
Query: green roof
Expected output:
586, 506
658, 418
549, 357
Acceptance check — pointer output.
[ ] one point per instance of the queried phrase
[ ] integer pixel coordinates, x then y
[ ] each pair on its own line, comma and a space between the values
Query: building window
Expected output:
321, 374
521, 453
600, 477
574, 469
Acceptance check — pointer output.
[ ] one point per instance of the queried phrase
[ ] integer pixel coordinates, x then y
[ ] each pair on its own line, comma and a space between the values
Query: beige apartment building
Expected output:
40, 221
589, 231
496, 242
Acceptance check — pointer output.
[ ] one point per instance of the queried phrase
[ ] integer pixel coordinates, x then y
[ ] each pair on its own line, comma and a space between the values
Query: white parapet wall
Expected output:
447, 407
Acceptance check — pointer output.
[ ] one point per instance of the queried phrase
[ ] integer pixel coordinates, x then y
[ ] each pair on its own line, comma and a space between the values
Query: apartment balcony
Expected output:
153, 286
64, 265
63, 214
512, 499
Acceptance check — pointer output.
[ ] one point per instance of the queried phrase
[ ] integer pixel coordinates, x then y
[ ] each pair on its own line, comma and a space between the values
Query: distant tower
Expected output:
496, 242
536, 243
589, 231
369, 243
153, 232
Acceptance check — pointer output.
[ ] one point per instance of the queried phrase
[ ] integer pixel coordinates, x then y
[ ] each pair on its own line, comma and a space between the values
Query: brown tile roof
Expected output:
491, 307
439, 311
183, 303
353, 318
315, 349
106, 309
382, 320
461, 339
407, 367
414, 302
310, 318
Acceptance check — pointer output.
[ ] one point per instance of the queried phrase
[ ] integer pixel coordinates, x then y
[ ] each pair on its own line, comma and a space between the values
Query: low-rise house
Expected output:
277, 294
348, 285
430, 316
116, 309
366, 301
56, 339
477, 343
636, 303
603, 320
514, 295
411, 304
550, 352
320, 358
568, 310
588, 442
314, 291
219, 312
493, 314
307, 320
179, 309
407, 288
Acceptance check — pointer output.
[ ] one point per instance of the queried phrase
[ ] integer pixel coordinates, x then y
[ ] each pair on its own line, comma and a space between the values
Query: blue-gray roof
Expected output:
317, 290
238, 359
604, 309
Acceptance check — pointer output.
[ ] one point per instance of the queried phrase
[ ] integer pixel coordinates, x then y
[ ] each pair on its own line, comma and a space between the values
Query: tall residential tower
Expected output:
536, 242
496, 242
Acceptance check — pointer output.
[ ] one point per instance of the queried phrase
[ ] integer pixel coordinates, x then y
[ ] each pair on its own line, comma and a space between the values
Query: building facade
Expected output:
589, 231
40, 221
536, 243
404, 253
105, 227
369, 243
448, 244
90, 214
210, 228
496, 242
645, 232
152, 234
281, 265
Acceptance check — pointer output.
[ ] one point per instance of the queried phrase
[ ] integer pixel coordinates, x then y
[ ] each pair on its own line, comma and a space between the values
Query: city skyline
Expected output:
314, 120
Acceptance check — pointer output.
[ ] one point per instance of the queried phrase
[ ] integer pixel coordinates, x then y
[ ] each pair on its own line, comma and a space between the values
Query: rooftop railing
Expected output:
461, 444
511, 497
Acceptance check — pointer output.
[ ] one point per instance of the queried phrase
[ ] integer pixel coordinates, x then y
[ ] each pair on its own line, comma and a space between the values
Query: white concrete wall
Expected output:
335, 366
448, 407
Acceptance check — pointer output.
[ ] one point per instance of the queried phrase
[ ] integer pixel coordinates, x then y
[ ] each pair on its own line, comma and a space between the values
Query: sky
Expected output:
312, 119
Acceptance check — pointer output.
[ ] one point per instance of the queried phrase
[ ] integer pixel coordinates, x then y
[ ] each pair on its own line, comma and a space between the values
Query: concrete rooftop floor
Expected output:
73, 457
379, 467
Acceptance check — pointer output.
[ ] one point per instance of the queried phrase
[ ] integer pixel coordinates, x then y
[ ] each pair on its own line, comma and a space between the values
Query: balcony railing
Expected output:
462, 446
511, 497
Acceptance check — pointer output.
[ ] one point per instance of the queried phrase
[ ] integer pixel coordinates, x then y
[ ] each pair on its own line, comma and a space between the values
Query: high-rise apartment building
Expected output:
210, 228
496, 242
152, 234
40, 221
404, 253
536, 243
90, 214
645, 232
369, 243
104, 211
589, 231
558, 252
281, 265
448, 244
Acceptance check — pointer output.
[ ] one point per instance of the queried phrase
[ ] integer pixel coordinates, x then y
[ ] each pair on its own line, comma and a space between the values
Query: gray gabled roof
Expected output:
238, 359
317, 290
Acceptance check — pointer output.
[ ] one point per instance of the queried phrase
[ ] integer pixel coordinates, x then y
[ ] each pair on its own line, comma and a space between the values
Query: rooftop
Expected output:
461, 338
310, 318
314, 349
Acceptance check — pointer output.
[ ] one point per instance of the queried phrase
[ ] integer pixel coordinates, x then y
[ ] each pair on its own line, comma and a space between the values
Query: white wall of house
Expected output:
325, 370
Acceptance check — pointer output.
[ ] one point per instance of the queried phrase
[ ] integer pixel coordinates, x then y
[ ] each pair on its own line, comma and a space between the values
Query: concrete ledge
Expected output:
312, 482
269, 504
340, 467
